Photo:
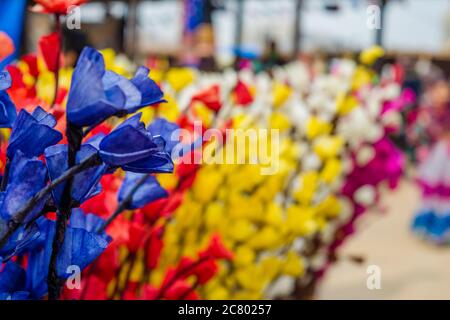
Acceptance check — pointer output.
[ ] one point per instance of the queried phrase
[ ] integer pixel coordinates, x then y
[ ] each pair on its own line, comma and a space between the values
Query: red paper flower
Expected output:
49, 49
162, 207
154, 247
92, 288
56, 6
181, 290
136, 234
203, 269
216, 249
210, 97
242, 94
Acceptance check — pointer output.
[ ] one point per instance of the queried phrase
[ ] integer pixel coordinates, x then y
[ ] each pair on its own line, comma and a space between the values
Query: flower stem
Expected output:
58, 30
74, 138
20, 215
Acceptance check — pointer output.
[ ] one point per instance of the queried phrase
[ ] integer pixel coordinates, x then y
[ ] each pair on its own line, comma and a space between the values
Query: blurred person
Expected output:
271, 56
432, 221
73, 44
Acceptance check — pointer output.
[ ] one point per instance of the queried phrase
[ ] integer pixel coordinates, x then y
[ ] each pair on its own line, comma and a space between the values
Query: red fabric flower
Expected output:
210, 97
49, 47
203, 269
162, 207
136, 234
56, 6
216, 249
154, 247
242, 94
105, 267
95, 290
149, 292
31, 60
181, 290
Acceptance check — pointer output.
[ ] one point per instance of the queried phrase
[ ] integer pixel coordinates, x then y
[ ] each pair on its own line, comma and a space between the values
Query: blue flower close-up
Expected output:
85, 184
33, 133
131, 147
96, 94
146, 193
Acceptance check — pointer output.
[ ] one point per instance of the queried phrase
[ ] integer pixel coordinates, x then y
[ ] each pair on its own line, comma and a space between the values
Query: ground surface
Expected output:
410, 268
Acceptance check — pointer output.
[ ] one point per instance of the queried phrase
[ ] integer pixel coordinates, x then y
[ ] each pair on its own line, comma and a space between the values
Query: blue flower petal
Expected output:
32, 135
87, 103
156, 163
167, 130
84, 183
8, 112
117, 86
27, 177
5, 80
148, 192
124, 145
151, 93
12, 278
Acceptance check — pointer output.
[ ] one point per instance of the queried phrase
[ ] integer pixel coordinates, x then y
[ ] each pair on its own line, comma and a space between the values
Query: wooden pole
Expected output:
239, 24
131, 28
380, 31
297, 27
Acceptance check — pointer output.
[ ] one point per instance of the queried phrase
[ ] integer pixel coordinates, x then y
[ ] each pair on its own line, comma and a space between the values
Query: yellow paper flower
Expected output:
281, 93
331, 170
316, 127
293, 265
328, 146
371, 55
179, 78
345, 103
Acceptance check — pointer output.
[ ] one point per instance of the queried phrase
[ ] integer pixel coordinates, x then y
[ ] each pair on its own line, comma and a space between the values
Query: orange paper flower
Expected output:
6, 46
56, 6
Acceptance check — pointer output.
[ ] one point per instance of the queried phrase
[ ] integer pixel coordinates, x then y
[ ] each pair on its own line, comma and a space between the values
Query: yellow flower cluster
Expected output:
266, 219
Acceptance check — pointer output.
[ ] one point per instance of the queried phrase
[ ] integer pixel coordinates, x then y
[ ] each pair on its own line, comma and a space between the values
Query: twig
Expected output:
20, 216
74, 136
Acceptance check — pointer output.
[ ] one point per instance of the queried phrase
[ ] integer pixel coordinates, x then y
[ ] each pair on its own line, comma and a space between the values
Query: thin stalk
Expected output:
74, 138
58, 30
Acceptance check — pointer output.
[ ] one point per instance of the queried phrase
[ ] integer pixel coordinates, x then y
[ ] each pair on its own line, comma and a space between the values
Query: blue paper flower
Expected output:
23, 240
27, 177
85, 184
97, 94
167, 131
131, 147
8, 112
5, 80
81, 246
148, 192
151, 93
33, 133
13, 283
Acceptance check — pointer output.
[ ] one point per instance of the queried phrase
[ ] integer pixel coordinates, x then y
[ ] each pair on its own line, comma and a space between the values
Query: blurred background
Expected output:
216, 34
186, 29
